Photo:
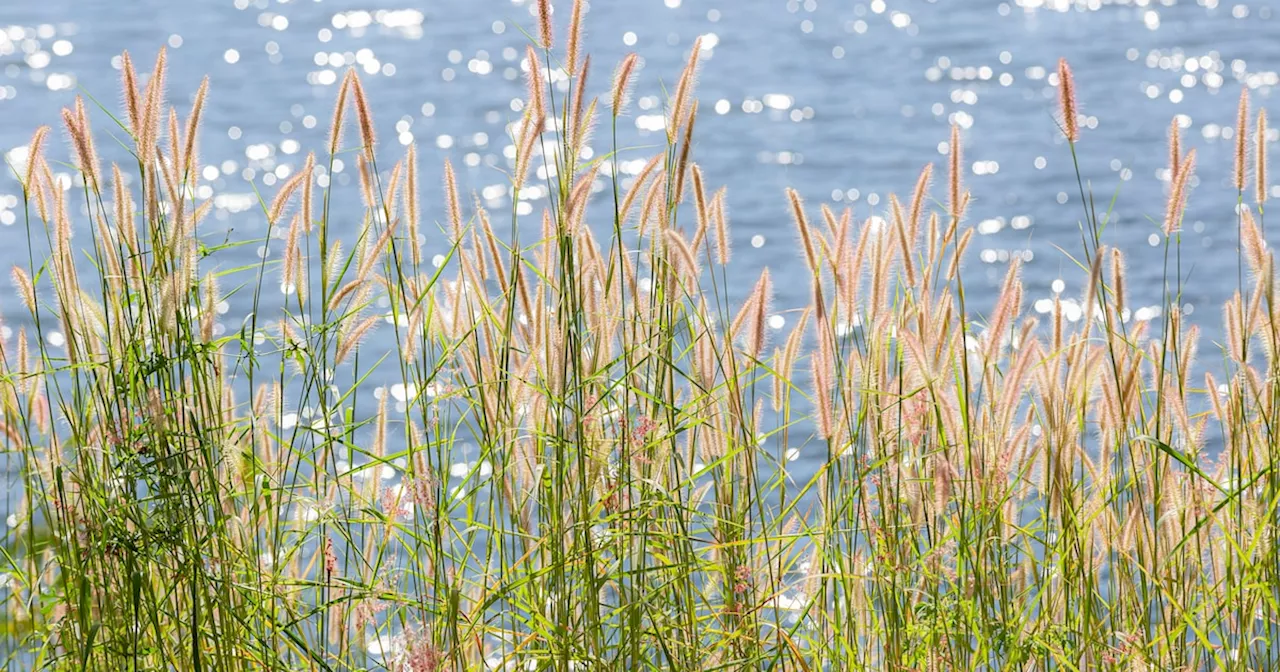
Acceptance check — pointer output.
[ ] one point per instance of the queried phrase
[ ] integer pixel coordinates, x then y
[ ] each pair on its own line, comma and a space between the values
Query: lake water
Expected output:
844, 100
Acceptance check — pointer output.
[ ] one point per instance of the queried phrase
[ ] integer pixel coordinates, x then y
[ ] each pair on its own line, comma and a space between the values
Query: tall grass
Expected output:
992, 493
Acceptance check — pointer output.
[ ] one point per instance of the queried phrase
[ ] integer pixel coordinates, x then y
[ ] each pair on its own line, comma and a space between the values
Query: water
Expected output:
844, 100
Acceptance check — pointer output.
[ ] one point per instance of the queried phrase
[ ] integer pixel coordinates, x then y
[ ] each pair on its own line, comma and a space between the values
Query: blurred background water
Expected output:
845, 100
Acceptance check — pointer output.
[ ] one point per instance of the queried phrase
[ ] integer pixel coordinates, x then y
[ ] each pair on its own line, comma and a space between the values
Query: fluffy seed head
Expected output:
451, 195
683, 258
281, 200
1067, 101
721, 217
760, 297
1260, 159
1242, 122
193, 124
918, 198
1178, 194
85, 157
575, 38
822, 401
535, 83
129, 83
33, 158
1117, 279
152, 109
684, 91
621, 94
26, 291
802, 224
544, 23
411, 202
576, 119
1255, 245
308, 171
363, 115
339, 110
686, 149
954, 161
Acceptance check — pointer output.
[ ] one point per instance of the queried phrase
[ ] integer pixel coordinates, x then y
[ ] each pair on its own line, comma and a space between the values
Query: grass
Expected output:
992, 493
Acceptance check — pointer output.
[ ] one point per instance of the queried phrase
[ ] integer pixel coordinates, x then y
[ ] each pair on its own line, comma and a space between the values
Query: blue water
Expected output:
845, 101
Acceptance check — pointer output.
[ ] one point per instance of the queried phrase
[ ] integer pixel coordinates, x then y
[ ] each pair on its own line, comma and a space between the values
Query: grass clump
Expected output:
991, 493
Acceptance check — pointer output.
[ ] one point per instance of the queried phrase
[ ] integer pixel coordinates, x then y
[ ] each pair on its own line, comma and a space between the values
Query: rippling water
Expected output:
844, 100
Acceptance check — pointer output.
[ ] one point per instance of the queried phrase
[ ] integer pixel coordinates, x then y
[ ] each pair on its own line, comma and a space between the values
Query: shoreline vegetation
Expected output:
992, 493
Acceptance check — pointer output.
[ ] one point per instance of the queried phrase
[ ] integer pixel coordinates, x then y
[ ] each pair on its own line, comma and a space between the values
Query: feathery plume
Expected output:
822, 387
953, 160
26, 290
339, 110
451, 196
917, 200
152, 109
1255, 246
576, 120
544, 23
1260, 159
1178, 194
961, 245
621, 94
687, 261
628, 201
1242, 122
684, 90
786, 365
77, 123
530, 133
833, 226
363, 115
411, 203
575, 38
33, 159
290, 262
282, 197
1067, 101
41, 188
905, 245
586, 123
1117, 280
171, 167
193, 124
802, 225
760, 296
1175, 149
686, 148
308, 172
209, 310
700, 207
579, 195
721, 217
491, 241
129, 83
353, 333
1095, 279
535, 84
124, 213
391, 191
654, 200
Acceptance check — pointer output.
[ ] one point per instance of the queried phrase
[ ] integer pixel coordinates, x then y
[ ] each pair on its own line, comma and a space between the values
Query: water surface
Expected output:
846, 101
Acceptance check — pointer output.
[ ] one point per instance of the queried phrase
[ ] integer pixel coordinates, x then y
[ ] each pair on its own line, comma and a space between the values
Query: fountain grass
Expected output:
586, 460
